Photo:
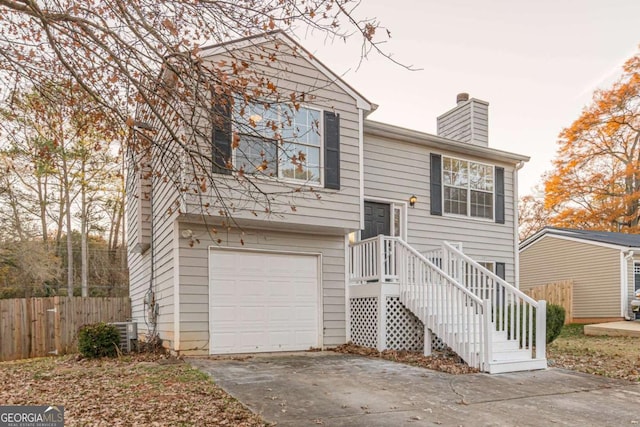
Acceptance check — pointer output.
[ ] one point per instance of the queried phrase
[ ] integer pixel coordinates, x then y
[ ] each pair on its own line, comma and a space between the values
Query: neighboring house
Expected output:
301, 279
604, 268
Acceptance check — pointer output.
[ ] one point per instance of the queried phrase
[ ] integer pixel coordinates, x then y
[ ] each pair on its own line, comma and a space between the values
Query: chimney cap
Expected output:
462, 97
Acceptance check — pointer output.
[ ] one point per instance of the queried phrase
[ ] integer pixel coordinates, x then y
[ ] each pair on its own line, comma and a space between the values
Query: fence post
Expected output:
57, 330
541, 330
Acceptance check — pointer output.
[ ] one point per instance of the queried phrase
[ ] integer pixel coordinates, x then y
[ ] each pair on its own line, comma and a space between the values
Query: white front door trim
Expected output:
394, 204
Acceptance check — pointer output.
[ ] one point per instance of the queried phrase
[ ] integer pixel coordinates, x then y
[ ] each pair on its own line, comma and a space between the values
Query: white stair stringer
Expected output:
462, 320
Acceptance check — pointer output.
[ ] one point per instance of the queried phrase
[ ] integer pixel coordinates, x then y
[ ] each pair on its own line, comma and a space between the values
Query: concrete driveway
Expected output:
333, 389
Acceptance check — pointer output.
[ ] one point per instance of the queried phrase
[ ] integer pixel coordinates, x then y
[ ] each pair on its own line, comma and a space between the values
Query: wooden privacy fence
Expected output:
34, 327
559, 293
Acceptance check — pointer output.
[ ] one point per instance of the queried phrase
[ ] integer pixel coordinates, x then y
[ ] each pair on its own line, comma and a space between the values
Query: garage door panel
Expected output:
263, 302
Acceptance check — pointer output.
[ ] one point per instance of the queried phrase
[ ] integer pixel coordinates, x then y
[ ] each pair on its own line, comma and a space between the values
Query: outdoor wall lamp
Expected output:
412, 200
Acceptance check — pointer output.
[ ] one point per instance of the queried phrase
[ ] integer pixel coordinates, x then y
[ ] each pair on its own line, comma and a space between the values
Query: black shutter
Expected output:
436, 184
500, 195
331, 150
500, 270
221, 138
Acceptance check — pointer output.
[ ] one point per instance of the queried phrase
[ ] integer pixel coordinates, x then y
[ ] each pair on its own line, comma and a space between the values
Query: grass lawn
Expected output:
614, 357
140, 390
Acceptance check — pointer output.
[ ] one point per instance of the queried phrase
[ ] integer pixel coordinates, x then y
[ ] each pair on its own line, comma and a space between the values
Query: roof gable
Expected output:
608, 238
283, 37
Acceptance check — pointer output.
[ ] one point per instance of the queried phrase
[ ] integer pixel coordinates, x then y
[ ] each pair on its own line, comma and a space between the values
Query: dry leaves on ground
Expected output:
139, 390
443, 361
613, 357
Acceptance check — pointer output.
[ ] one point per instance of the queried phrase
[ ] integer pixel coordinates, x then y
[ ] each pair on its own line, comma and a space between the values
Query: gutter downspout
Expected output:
624, 291
516, 238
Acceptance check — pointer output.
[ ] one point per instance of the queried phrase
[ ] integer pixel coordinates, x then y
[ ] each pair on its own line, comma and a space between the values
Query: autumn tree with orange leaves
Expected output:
596, 180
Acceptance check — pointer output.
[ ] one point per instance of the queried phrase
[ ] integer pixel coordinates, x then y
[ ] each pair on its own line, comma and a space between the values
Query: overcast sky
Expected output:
537, 63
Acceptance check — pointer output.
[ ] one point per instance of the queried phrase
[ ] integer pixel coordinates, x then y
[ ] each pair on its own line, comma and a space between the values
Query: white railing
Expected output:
444, 306
456, 298
513, 311
448, 309
373, 259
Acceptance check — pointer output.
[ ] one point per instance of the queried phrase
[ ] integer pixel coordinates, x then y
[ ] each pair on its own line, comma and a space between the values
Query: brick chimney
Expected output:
468, 121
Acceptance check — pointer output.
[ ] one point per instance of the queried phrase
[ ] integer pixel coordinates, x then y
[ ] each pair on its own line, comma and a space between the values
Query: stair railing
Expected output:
513, 311
447, 308
373, 259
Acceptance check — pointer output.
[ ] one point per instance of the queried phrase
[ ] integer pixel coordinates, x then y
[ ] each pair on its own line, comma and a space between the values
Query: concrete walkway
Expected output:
614, 329
333, 389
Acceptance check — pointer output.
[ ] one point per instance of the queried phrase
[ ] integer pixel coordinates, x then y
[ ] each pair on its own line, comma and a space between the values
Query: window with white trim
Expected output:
278, 141
489, 265
468, 188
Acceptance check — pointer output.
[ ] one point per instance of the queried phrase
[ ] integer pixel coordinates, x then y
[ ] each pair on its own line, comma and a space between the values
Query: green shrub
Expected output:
98, 340
555, 321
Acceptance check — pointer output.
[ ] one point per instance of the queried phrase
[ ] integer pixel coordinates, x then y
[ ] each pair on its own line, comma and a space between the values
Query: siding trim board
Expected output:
176, 285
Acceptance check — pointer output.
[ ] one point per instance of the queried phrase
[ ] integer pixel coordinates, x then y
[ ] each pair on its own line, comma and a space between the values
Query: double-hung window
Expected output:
468, 188
278, 141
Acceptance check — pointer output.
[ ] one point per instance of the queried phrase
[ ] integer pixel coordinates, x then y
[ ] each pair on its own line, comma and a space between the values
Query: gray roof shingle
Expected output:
612, 238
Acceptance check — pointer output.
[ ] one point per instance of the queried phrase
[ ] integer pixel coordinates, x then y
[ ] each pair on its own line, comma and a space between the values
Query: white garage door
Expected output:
262, 301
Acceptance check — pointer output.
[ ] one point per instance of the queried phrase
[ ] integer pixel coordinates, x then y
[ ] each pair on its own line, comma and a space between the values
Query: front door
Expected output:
377, 220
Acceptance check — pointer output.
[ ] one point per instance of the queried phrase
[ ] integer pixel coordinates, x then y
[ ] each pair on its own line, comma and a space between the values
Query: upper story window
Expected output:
468, 188
275, 140
278, 141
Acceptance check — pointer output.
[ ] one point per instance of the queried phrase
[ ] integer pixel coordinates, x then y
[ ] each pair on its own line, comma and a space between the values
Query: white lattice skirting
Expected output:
403, 329
364, 321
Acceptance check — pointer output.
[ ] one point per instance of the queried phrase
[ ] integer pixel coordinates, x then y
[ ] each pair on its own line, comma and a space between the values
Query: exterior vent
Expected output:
128, 335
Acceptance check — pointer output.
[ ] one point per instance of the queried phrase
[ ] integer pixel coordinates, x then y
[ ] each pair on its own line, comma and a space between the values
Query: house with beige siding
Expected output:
408, 241
603, 266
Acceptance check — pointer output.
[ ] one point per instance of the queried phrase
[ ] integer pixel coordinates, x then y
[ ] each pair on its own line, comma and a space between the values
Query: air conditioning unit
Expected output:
128, 335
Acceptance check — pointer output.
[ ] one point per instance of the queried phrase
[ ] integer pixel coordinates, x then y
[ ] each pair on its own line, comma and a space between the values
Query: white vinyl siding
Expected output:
395, 170
194, 282
468, 122
163, 207
337, 209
